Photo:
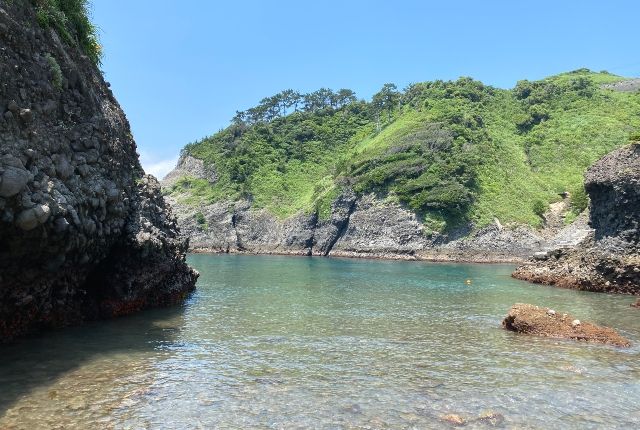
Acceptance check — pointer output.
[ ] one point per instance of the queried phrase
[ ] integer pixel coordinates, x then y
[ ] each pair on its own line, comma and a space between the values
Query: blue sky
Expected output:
181, 68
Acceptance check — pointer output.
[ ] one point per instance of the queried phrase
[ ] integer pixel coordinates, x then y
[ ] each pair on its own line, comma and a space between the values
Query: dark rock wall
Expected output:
83, 233
613, 185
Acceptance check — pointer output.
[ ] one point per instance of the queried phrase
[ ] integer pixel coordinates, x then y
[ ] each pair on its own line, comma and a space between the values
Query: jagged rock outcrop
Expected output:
83, 233
192, 167
609, 260
378, 228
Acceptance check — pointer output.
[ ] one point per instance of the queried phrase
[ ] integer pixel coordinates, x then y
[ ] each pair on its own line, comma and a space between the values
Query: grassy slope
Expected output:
578, 132
301, 161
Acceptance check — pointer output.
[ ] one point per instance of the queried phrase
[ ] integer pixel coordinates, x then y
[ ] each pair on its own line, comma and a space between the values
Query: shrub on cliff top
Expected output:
71, 20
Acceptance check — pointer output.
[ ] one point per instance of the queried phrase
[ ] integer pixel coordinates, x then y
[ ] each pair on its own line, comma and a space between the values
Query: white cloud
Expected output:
155, 167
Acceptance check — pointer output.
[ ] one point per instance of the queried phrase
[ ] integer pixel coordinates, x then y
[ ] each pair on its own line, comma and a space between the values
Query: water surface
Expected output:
285, 342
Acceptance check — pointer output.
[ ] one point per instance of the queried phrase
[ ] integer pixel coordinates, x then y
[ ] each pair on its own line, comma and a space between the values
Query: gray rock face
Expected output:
192, 167
573, 234
83, 233
328, 232
379, 228
626, 86
494, 243
359, 226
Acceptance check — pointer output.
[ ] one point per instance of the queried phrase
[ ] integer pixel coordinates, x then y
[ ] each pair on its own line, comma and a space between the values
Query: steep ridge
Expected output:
609, 260
84, 234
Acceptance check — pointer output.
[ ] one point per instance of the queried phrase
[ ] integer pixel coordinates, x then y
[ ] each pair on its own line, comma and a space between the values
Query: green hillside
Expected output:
453, 152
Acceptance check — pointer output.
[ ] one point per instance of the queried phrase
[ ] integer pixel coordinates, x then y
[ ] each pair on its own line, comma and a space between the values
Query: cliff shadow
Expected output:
39, 361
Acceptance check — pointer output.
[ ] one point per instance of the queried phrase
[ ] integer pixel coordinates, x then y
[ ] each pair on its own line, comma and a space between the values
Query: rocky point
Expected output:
609, 259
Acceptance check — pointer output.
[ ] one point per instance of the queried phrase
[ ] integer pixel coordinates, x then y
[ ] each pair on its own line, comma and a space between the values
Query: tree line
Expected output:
288, 101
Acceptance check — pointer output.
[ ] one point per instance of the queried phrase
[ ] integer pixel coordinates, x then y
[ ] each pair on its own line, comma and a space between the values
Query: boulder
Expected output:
539, 321
30, 218
14, 178
13, 106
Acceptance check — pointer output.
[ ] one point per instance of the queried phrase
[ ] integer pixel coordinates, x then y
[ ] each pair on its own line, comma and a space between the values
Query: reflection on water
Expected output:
282, 342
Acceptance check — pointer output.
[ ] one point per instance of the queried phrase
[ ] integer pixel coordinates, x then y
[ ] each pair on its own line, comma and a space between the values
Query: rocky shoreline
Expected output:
610, 260
597, 252
358, 226
433, 258
471, 259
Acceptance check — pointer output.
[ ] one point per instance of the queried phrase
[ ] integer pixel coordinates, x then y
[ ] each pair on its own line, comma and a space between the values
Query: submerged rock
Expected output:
535, 320
454, 419
491, 418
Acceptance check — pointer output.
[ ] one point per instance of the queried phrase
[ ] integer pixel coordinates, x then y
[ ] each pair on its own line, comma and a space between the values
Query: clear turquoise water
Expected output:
286, 342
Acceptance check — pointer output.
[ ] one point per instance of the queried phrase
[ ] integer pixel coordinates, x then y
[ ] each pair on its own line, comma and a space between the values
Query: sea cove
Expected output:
296, 342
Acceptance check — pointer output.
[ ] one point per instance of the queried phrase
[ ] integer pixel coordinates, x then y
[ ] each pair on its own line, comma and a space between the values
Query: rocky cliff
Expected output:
610, 259
84, 233
357, 226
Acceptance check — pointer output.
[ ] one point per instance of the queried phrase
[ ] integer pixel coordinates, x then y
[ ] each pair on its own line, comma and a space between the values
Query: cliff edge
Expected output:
84, 233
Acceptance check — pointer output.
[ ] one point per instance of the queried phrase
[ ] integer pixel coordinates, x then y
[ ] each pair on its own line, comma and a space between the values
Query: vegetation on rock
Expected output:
453, 152
71, 20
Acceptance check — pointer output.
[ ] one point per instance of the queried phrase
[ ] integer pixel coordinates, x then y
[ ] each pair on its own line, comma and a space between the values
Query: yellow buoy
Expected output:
468, 282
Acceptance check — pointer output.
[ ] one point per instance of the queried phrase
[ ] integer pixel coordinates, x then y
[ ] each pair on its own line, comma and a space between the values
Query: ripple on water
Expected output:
275, 342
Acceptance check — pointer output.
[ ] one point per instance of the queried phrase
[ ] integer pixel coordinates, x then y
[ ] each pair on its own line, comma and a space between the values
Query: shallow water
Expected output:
287, 342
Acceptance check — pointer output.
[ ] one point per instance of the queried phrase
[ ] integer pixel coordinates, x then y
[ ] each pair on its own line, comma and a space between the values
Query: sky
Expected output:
181, 68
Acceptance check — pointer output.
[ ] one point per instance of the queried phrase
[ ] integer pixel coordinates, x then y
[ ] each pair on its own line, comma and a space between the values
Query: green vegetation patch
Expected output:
452, 152
71, 20
56, 72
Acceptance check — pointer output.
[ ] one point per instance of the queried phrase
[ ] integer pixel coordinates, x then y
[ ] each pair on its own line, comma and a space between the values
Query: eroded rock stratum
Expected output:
84, 233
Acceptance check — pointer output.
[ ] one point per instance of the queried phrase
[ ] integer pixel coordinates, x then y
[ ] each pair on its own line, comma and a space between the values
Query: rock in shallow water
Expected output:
535, 320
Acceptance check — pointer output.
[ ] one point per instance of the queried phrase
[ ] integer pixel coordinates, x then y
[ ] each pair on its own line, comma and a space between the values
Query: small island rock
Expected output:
536, 320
